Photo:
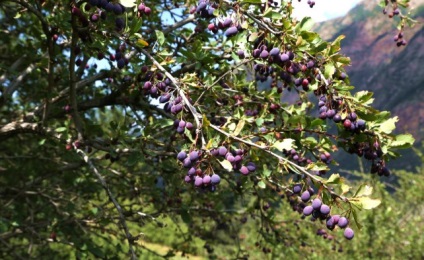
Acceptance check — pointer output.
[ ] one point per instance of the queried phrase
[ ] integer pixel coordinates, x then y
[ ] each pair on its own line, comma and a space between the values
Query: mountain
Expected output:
394, 74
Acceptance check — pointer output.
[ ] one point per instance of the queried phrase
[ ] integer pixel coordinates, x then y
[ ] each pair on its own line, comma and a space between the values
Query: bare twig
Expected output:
122, 220
13, 67
72, 79
181, 23
15, 84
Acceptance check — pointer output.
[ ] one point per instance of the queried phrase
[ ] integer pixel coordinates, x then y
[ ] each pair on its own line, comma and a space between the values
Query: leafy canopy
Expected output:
116, 113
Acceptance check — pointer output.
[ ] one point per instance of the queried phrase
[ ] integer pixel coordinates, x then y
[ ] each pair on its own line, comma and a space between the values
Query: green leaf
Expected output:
266, 172
343, 60
335, 45
286, 144
259, 121
273, 15
306, 24
403, 141
389, 125
226, 165
363, 96
366, 202
96, 251
343, 87
334, 179
309, 36
329, 70
318, 166
320, 47
345, 188
205, 120
363, 190
185, 216
61, 129
160, 37
239, 127
261, 185
355, 218
382, 3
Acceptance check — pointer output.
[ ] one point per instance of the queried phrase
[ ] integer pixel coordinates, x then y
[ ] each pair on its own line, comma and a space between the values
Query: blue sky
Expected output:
323, 9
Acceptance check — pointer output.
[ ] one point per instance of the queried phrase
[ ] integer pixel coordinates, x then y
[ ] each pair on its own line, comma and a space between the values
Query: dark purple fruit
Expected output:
307, 210
244, 170
343, 222
231, 31
181, 155
348, 233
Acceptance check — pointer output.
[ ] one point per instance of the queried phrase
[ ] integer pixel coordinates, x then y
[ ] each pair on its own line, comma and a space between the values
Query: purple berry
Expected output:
215, 179
251, 166
198, 181
297, 188
206, 179
324, 209
348, 233
187, 179
308, 210
194, 155
181, 155
222, 151
316, 204
244, 170
231, 31
305, 196
187, 163
191, 171
343, 222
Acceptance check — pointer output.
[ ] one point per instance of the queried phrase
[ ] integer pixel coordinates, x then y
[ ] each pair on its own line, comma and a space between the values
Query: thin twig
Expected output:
181, 23
122, 220
73, 82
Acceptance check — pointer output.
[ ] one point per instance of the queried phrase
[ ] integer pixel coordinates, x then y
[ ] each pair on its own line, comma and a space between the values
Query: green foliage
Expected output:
94, 109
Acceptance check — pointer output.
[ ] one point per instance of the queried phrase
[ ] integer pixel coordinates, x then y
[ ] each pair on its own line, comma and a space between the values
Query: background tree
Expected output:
116, 116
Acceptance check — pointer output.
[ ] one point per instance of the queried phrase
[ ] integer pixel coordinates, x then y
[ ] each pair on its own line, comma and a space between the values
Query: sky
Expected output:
323, 9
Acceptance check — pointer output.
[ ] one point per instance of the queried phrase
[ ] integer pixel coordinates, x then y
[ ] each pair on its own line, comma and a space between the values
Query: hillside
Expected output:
394, 74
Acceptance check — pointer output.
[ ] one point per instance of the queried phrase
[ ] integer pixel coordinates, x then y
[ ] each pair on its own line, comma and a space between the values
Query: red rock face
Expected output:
395, 74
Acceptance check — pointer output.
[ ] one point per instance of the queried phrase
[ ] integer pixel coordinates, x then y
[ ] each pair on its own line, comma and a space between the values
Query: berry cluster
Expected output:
143, 9
331, 109
181, 125
155, 85
311, 3
319, 211
119, 57
199, 178
399, 39
205, 9
104, 7
235, 158
371, 152
195, 175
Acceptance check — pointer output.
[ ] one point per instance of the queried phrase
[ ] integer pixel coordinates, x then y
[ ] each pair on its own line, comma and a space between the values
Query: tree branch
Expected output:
281, 159
189, 19
15, 84
72, 79
122, 220
196, 115
14, 128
